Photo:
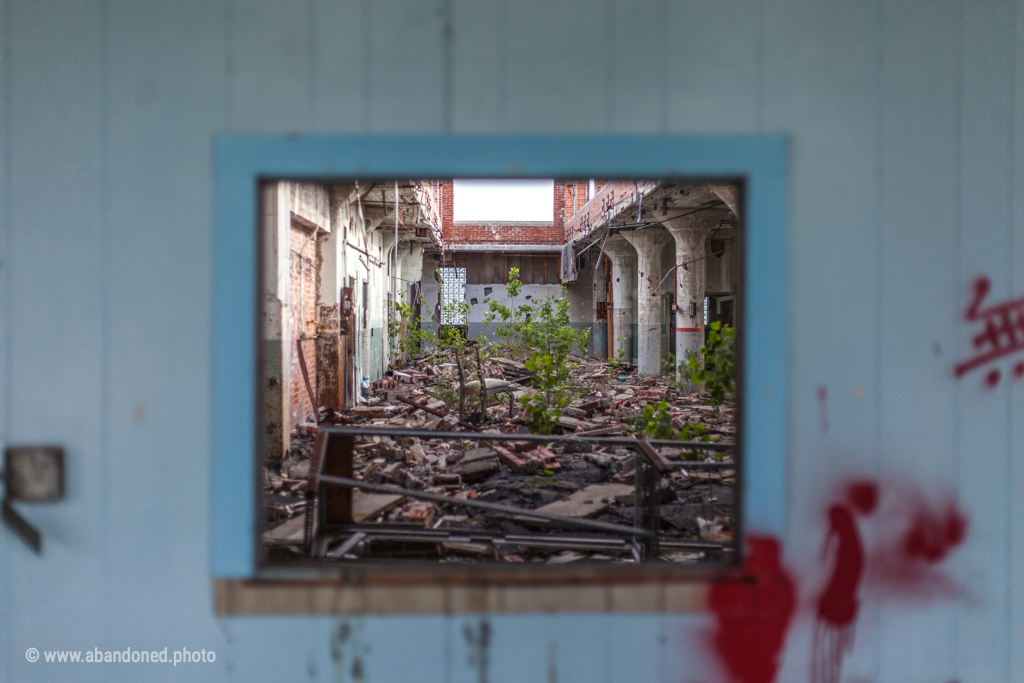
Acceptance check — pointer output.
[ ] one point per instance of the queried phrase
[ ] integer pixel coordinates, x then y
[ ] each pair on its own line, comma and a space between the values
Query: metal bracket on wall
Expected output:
33, 474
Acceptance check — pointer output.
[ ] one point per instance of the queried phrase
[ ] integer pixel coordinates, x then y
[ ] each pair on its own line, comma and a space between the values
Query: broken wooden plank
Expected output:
655, 459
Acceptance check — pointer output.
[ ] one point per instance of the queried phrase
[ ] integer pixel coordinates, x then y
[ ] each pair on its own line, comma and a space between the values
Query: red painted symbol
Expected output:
1002, 334
752, 614
838, 604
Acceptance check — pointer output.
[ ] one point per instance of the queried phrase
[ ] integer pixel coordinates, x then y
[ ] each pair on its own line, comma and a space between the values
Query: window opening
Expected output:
485, 412
504, 201
453, 295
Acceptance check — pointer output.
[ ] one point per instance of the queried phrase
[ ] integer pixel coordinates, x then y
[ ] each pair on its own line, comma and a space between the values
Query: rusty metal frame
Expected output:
330, 485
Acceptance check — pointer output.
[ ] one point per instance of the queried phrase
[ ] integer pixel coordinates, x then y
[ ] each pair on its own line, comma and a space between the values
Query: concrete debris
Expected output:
370, 505
574, 479
589, 502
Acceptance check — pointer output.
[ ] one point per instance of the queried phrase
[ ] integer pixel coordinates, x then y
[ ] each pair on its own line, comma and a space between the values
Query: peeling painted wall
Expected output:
905, 127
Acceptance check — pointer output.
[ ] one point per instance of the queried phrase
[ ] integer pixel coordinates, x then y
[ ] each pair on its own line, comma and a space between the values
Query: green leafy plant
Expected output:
404, 328
656, 421
544, 409
539, 326
445, 389
542, 479
619, 365
713, 364
540, 329
693, 431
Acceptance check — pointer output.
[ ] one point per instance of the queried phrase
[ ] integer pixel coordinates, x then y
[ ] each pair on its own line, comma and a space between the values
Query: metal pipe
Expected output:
655, 291
555, 540
536, 438
482, 505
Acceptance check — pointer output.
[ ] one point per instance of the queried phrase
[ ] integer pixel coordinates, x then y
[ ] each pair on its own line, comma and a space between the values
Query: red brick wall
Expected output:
575, 196
501, 234
303, 290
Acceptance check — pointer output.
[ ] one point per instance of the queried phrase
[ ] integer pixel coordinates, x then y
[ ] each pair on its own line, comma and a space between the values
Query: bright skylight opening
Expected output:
505, 201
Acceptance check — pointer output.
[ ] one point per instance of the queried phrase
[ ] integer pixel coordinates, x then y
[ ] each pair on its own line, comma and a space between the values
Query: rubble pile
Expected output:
570, 479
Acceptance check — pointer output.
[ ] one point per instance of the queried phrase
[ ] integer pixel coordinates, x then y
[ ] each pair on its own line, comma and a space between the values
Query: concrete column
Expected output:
411, 272
623, 258
599, 334
330, 356
648, 244
689, 234
391, 271
412, 265
275, 224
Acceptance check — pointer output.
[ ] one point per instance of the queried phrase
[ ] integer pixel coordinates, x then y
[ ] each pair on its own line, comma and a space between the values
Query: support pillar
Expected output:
622, 257
411, 272
276, 324
599, 336
689, 234
648, 244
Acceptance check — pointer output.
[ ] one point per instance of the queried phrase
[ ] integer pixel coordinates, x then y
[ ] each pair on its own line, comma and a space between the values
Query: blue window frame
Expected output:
242, 161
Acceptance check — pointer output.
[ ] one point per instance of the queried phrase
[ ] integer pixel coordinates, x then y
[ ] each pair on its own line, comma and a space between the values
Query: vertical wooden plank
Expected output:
920, 295
337, 501
404, 67
338, 55
164, 100
823, 88
1016, 425
478, 93
6, 283
986, 201
269, 66
714, 57
55, 308
487, 267
637, 60
559, 78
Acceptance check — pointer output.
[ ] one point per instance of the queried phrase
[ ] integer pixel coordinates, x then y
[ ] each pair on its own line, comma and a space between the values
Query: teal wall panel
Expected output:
905, 130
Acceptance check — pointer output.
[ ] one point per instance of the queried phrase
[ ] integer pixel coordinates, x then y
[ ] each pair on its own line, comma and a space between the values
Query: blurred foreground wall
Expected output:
906, 122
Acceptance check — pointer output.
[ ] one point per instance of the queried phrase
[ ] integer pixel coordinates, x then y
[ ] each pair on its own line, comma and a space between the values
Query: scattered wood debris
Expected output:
581, 480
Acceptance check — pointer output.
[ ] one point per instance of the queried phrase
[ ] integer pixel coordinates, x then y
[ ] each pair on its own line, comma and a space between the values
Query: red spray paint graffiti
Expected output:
838, 604
754, 611
905, 566
1002, 334
753, 614
915, 538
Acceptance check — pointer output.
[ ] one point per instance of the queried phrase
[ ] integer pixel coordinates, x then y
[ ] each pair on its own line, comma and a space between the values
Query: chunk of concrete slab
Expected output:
587, 502
368, 505
572, 424
477, 464
292, 532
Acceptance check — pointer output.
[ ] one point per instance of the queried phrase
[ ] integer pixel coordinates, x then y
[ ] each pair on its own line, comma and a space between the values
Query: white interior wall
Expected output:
905, 126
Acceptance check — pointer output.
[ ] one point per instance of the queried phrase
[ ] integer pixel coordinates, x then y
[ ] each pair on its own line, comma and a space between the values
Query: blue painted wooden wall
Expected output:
907, 127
